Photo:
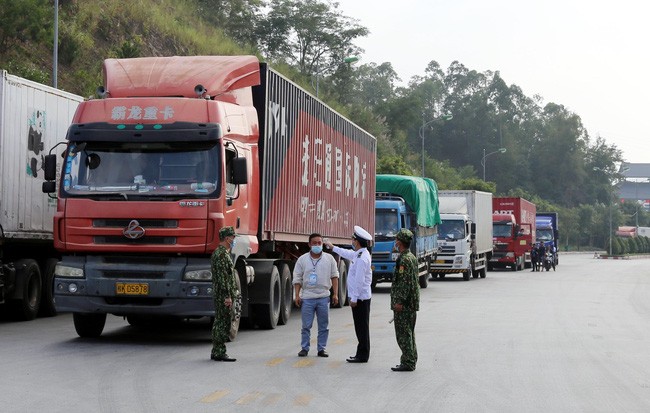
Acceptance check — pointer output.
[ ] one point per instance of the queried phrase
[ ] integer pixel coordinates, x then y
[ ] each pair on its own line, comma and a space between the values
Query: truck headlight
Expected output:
70, 272
198, 275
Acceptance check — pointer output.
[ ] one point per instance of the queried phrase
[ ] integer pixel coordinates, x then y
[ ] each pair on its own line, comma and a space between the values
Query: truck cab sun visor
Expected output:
168, 132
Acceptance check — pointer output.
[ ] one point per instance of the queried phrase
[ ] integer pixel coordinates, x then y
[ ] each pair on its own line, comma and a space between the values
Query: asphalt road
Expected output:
574, 340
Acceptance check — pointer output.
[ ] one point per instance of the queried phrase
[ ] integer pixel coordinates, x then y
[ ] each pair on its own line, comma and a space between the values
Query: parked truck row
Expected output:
176, 148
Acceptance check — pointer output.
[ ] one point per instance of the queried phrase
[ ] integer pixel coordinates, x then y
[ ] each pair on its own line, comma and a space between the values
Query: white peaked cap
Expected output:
362, 233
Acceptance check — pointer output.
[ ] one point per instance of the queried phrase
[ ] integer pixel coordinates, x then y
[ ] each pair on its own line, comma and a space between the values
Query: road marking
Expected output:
335, 364
272, 399
250, 397
303, 400
303, 363
275, 362
211, 398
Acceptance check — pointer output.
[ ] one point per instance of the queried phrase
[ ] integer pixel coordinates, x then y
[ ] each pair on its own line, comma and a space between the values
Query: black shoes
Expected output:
355, 359
303, 353
323, 353
401, 367
222, 358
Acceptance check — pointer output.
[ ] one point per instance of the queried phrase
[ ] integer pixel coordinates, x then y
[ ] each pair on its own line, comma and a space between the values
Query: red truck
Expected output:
513, 231
179, 147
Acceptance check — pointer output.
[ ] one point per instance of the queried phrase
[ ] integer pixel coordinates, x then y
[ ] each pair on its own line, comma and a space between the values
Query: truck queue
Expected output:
166, 156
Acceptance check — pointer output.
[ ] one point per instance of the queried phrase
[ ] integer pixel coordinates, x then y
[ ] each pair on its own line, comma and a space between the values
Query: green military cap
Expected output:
404, 235
226, 232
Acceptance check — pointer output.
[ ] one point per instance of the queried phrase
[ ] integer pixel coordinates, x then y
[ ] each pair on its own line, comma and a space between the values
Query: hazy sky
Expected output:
592, 56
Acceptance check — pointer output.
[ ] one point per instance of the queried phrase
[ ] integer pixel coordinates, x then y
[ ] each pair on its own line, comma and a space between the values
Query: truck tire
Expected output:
343, 284
482, 272
89, 325
28, 274
268, 314
286, 300
423, 280
467, 274
48, 308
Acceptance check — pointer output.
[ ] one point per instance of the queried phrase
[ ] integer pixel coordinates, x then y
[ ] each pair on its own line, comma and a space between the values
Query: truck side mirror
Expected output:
49, 187
239, 171
49, 167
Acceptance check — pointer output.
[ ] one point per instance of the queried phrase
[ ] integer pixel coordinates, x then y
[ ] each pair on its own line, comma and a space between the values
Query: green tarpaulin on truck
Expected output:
421, 194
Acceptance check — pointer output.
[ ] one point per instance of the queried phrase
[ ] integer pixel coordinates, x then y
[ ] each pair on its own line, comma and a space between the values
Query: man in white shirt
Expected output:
313, 276
359, 292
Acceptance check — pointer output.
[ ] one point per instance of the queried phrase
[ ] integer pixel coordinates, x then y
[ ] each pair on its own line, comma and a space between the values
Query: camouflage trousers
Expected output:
220, 328
405, 334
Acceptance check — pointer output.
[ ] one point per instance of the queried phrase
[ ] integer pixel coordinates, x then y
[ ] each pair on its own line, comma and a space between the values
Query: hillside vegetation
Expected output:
549, 159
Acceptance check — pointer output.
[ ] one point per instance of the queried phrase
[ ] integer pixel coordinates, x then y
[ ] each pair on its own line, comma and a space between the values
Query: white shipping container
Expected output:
33, 118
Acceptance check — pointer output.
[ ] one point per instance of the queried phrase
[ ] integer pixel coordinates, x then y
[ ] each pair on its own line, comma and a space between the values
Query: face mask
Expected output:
316, 249
232, 244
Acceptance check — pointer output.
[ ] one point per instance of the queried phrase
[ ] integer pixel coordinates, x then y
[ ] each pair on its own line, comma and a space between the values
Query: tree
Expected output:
236, 18
313, 35
23, 21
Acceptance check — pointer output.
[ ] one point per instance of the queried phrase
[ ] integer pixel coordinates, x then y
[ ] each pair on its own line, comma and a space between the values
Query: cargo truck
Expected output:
464, 233
179, 147
33, 118
405, 202
546, 225
513, 229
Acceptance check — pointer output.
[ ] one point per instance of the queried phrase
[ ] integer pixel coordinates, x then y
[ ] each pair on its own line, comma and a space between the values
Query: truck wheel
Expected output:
482, 272
343, 284
423, 280
89, 325
267, 314
467, 274
286, 300
29, 276
48, 309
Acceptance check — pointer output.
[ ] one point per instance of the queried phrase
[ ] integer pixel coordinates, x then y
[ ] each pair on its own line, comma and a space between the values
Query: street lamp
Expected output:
500, 150
348, 60
446, 116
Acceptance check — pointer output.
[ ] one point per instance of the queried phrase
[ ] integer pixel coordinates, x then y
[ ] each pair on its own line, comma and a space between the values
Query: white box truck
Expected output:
465, 233
33, 119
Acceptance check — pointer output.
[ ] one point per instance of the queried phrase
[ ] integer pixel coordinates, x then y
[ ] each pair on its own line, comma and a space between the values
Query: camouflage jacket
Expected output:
223, 274
405, 289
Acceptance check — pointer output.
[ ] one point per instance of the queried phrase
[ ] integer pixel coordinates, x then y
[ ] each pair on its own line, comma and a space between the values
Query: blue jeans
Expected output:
321, 308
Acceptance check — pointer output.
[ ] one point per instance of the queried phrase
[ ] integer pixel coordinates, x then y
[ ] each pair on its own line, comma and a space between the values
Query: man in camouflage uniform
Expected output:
405, 301
224, 286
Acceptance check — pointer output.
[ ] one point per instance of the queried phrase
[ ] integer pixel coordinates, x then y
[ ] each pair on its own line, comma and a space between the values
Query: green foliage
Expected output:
550, 158
393, 165
24, 21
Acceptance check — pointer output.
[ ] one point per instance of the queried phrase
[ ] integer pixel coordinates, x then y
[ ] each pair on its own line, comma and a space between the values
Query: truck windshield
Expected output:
451, 229
501, 230
151, 169
386, 224
544, 234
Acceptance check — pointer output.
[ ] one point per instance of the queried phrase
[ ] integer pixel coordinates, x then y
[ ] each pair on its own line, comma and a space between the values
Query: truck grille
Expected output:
446, 249
146, 223
381, 256
146, 240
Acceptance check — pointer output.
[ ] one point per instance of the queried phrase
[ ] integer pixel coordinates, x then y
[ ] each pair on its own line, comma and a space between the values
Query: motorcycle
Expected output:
549, 261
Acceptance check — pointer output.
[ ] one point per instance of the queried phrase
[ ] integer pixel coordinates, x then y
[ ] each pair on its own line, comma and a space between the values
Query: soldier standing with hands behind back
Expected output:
224, 286
405, 301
